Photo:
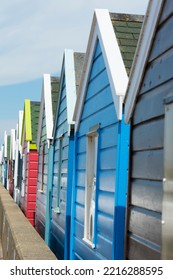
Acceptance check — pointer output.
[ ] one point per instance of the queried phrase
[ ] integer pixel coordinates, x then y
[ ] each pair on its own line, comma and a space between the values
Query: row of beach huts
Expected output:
91, 164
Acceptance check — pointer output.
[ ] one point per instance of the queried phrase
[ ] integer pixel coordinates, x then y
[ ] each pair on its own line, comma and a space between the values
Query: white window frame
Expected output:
90, 186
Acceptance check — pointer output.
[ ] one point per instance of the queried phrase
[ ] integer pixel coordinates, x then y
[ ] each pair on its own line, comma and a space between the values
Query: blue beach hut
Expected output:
61, 166
102, 139
49, 98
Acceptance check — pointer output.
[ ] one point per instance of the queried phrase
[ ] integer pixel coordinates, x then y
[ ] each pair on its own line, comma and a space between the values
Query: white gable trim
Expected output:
102, 29
20, 129
70, 84
67, 73
48, 105
46, 101
141, 55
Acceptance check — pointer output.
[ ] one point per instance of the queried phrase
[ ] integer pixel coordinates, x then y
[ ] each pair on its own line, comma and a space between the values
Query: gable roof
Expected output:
55, 83
127, 29
116, 34
141, 56
71, 71
49, 97
30, 122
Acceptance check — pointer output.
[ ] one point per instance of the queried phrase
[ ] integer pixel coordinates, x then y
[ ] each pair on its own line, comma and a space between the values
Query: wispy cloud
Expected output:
35, 33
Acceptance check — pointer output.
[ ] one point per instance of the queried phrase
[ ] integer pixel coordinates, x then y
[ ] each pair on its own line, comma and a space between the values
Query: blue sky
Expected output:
33, 36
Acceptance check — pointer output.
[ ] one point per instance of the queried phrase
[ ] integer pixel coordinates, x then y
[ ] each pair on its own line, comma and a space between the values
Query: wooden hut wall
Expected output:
147, 145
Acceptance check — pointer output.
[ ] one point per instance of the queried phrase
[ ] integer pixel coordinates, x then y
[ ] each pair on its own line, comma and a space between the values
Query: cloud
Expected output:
34, 34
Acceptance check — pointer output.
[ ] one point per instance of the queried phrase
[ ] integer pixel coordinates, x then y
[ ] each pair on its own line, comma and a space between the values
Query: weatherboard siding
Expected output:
58, 220
31, 183
98, 109
147, 146
42, 180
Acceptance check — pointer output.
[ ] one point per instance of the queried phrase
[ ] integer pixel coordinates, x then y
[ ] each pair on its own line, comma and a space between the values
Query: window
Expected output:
90, 186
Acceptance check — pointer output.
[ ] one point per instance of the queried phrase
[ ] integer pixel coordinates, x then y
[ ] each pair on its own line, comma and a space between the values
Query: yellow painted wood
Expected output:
33, 146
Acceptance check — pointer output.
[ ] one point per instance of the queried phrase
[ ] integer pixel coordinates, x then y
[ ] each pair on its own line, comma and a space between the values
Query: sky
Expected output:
33, 36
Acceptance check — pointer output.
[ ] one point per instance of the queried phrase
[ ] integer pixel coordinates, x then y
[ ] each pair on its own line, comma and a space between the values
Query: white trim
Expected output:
102, 29
46, 102
16, 163
12, 144
48, 105
142, 52
20, 129
70, 84
67, 73
5, 144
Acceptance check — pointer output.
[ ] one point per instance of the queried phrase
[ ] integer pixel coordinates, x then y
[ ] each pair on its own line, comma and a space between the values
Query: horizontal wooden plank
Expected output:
106, 203
105, 225
147, 194
145, 224
105, 117
148, 135
158, 71
84, 251
104, 247
105, 139
153, 101
96, 85
167, 11
148, 165
80, 195
106, 180
97, 66
137, 250
107, 158
79, 213
97, 103
163, 40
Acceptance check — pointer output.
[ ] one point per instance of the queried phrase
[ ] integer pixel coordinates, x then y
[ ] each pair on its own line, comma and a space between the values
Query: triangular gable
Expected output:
29, 129
68, 72
103, 31
26, 124
141, 56
46, 102
6, 145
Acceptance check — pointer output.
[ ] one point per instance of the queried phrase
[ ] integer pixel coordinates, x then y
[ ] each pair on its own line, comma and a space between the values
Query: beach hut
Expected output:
50, 89
18, 159
1, 162
61, 167
30, 159
149, 110
102, 139
11, 162
6, 157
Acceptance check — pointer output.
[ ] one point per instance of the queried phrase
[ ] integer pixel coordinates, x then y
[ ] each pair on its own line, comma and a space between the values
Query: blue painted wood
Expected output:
121, 189
41, 197
49, 195
99, 109
62, 174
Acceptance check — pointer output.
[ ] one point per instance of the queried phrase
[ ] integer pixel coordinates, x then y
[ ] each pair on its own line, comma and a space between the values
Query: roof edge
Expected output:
142, 52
